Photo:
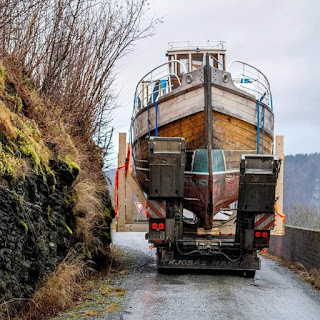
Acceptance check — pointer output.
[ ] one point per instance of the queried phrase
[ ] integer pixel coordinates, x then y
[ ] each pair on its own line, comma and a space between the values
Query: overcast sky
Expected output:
281, 38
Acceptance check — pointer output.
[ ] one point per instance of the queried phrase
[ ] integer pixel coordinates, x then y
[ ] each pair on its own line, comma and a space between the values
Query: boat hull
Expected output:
181, 113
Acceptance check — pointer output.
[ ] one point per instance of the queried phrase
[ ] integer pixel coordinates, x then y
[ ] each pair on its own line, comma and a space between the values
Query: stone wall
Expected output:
298, 245
36, 223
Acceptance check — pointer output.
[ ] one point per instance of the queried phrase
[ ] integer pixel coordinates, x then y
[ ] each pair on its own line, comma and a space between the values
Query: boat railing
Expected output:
187, 45
250, 79
156, 83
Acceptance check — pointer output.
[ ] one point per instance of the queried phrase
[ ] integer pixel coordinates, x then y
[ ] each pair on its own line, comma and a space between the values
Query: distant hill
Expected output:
302, 180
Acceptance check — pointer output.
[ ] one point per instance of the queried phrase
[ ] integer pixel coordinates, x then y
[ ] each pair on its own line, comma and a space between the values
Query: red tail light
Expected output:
258, 234
265, 234
161, 226
154, 226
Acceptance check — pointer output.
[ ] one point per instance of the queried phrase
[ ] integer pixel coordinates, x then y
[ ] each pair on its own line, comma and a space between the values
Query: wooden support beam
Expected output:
132, 182
121, 218
136, 227
279, 225
129, 195
128, 185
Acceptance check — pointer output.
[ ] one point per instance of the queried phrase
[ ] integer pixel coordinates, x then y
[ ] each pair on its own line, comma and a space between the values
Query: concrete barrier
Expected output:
298, 245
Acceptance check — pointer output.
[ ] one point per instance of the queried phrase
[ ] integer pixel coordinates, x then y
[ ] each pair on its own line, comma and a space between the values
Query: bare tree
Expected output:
69, 49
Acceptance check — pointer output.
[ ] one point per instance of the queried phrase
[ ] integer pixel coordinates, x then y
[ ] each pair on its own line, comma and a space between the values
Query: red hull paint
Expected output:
225, 191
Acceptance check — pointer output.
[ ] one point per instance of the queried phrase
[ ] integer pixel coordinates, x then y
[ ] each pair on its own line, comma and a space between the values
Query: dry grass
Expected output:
119, 292
69, 285
6, 126
90, 211
113, 307
311, 276
105, 291
91, 313
60, 290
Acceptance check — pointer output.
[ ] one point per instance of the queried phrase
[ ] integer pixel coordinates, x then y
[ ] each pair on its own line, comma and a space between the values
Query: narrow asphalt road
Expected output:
275, 293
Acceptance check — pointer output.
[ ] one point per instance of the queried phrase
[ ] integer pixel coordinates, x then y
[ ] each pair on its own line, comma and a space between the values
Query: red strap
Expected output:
279, 214
126, 166
115, 192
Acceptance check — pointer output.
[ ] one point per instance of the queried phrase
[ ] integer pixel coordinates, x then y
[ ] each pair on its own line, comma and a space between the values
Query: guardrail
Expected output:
298, 245
156, 83
187, 45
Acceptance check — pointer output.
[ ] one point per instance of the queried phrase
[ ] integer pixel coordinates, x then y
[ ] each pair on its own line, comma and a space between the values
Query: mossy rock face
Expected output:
36, 233
37, 199
36, 221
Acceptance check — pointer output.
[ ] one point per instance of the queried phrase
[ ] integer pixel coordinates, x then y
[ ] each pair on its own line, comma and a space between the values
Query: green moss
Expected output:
67, 227
51, 178
26, 228
18, 199
107, 214
71, 164
19, 104
106, 236
88, 253
2, 75
28, 151
2, 167
70, 198
6, 167
26, 80
12, 146
8, 149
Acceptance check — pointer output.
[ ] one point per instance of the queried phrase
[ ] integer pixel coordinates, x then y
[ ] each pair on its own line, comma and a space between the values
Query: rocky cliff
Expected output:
41, 215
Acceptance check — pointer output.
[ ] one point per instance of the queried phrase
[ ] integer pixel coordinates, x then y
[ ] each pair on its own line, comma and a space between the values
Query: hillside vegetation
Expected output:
49, 201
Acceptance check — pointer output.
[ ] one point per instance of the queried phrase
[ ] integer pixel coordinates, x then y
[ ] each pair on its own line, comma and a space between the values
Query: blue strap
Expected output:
258, 126
156, 107
148, 120
155, 93
271, 102
163, 85
263, 114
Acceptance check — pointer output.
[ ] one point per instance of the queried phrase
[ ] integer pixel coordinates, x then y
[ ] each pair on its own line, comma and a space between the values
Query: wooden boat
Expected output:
221, 112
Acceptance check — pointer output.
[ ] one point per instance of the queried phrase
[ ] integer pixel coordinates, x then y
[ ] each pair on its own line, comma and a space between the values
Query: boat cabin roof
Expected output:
192, 56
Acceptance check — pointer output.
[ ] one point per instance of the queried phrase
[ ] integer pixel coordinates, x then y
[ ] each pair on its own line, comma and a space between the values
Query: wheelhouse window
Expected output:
172, 64
197, 61
215, 61
184, 59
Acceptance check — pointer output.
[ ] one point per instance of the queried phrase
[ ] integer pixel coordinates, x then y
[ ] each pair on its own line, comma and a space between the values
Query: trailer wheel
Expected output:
250, 274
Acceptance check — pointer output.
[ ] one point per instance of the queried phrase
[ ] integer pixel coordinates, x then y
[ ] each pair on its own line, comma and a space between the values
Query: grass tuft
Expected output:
113, 307
91, 313
311, 276
60, 289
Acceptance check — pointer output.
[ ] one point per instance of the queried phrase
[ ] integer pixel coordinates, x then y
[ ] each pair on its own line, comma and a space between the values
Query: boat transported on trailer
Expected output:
202, 138
226, 110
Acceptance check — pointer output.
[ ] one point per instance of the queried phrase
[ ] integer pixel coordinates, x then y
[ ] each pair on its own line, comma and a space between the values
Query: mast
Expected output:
208, 137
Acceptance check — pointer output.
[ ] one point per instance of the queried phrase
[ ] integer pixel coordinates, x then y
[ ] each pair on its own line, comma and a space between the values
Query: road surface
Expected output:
275, 293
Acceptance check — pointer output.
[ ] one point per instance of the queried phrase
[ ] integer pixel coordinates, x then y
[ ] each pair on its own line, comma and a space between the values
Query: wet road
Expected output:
275, 293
